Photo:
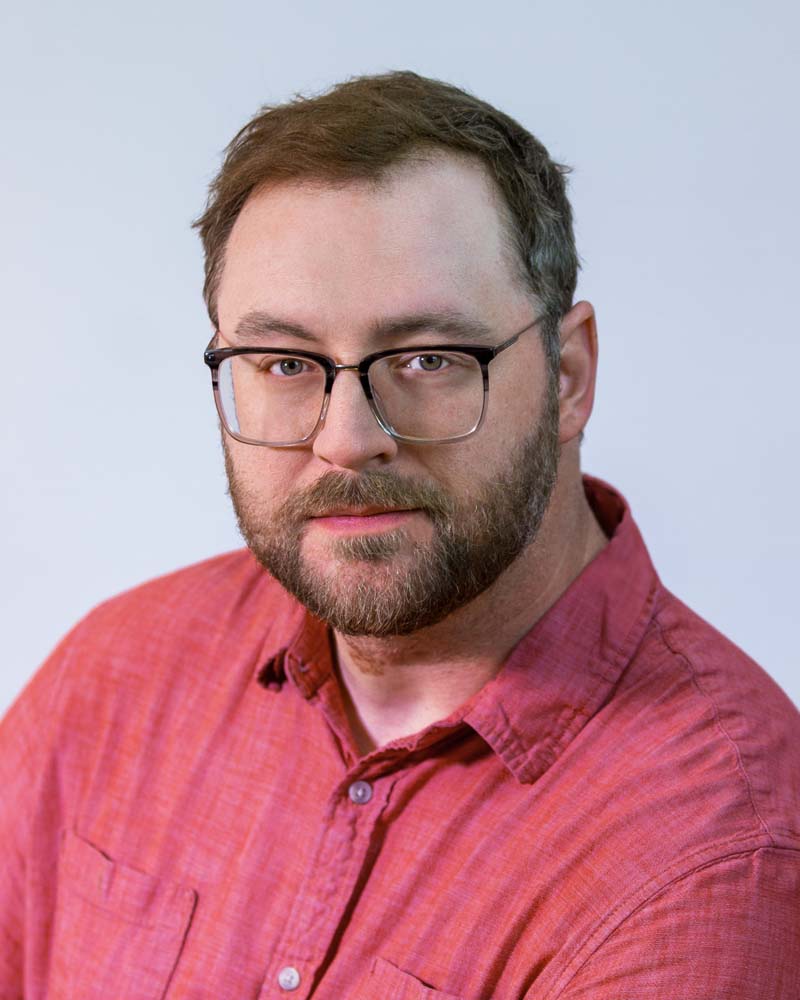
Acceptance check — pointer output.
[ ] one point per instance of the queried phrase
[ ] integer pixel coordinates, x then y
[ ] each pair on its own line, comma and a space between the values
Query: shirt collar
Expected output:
556, 677
565, 668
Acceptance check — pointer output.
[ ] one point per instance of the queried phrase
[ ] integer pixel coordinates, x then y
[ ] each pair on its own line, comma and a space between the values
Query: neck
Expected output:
394, 687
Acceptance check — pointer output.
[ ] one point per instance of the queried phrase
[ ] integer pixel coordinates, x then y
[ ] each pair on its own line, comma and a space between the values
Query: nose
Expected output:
351, 437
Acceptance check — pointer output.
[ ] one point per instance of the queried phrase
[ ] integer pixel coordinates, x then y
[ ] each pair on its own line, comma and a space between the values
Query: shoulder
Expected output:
179, 635
723, 735
696, 799
185, 606
748, 710
688, 782
185, 592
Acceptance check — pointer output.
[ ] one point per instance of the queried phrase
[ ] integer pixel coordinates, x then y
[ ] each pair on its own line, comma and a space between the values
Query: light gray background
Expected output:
681, 122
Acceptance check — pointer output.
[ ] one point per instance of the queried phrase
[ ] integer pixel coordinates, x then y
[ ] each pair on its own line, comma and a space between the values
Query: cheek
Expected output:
514, 410
264, 476
463, 469
510, 418
518, 389
458, 469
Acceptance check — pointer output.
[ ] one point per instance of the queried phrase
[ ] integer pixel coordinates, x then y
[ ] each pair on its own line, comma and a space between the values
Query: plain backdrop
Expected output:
680, 121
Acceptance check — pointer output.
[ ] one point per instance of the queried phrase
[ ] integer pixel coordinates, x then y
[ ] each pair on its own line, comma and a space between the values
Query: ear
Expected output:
577, 370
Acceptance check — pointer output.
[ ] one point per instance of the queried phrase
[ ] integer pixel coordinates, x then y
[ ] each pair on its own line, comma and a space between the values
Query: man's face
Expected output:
373, 535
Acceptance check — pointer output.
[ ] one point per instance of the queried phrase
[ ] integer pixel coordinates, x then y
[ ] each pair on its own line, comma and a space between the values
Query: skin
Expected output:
337, 260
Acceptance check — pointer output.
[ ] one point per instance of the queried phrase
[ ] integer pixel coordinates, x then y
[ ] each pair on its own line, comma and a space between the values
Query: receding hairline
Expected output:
366, 128
418, 156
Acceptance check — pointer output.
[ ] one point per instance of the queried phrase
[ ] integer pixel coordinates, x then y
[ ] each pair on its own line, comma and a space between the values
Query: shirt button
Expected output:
360, 792
288, 978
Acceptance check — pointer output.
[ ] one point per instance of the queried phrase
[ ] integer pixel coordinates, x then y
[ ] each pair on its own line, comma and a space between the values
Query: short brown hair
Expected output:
361, 128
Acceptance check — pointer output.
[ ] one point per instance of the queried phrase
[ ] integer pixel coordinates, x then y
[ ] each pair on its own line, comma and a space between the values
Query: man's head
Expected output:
375, 218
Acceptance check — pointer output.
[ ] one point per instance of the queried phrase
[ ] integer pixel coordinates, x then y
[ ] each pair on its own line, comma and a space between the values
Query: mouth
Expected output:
364, 511
364, 518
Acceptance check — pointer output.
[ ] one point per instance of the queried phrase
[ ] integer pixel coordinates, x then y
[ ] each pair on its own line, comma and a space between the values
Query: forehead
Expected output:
431, 234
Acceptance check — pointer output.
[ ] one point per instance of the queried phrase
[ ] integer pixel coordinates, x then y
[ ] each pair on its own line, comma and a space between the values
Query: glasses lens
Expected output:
428, 396
271, 398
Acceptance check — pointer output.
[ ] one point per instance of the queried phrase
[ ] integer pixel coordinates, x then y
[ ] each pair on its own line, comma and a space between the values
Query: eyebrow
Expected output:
451, 324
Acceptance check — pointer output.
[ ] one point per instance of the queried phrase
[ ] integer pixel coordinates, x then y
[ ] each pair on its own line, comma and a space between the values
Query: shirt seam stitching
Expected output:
662, 889
720, 725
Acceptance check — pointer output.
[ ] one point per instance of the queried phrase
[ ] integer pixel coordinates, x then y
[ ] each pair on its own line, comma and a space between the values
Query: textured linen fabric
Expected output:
616, 815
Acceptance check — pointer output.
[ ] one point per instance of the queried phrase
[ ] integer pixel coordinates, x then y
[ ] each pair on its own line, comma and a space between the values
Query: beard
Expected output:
385, 584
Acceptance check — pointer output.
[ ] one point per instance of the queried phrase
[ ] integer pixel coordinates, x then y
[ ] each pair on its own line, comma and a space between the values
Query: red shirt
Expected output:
616, 815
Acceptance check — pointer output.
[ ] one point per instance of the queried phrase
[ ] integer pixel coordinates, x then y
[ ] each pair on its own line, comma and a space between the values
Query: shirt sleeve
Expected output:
727, 931
26, 737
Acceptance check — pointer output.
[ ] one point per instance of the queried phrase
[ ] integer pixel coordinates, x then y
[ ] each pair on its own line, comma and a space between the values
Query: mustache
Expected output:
373, 488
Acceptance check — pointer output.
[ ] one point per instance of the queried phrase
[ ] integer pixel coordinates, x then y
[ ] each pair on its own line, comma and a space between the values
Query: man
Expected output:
446, 735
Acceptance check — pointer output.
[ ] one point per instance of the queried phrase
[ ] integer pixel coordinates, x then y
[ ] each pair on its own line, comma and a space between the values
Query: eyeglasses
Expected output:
419, 395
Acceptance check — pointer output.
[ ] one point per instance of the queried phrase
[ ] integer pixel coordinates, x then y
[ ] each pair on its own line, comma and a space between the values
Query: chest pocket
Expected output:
387, 982
118, 932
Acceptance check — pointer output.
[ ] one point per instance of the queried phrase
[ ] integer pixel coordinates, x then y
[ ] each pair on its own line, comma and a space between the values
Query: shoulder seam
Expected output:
720, 725
660, 890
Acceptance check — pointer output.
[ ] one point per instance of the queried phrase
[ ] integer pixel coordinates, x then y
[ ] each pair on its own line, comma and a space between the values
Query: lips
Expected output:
362, 520
364, 511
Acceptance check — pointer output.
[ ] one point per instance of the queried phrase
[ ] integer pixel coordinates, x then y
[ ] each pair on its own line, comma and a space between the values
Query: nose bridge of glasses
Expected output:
366, 388
362, 377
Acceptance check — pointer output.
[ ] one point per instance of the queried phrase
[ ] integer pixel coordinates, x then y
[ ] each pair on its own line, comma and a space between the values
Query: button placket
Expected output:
335, 868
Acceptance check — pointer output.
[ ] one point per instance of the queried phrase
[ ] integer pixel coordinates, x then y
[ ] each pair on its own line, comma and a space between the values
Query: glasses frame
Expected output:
214, 356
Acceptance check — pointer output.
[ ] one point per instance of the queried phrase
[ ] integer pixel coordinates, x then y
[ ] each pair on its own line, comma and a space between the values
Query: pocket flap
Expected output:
388, 982
122, 889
